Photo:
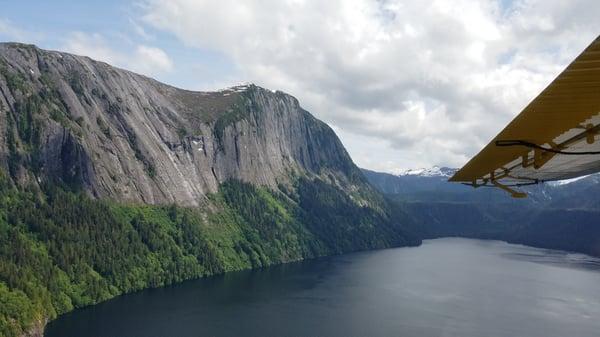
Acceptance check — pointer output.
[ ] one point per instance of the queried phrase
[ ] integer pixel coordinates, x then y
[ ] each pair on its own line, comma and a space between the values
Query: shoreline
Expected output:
39, 331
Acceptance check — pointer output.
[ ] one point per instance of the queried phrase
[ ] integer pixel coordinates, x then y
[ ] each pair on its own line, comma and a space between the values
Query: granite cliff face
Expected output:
130, 138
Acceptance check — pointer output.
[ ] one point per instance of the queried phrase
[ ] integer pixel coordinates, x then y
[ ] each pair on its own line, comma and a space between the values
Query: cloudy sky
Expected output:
405, 84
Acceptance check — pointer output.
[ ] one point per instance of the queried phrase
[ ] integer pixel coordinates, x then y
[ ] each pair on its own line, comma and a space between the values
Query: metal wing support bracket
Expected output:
507, 188
513, 193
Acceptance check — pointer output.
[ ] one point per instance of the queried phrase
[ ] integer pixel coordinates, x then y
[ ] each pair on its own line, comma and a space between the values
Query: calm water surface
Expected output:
446, 287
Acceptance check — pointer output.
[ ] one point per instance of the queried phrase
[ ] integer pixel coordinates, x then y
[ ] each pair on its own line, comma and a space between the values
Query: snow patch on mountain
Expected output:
434, 171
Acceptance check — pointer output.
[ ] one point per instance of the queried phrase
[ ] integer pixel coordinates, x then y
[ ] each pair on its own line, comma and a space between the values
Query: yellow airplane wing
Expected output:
557, 136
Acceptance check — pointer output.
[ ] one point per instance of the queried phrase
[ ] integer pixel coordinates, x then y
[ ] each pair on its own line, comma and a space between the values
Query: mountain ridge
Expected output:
555, 216
432, 185
158, 143
434, 171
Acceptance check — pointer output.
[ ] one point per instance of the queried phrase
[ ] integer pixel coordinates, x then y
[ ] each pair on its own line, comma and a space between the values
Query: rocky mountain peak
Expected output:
126, 136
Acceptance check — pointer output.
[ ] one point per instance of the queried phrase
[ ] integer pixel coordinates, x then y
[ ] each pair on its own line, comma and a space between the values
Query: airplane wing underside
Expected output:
557, 136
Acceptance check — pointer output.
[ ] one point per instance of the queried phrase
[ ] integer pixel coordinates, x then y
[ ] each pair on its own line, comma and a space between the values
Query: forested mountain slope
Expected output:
112, 182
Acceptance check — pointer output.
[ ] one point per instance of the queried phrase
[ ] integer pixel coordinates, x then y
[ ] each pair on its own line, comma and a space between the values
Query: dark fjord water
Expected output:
446, 287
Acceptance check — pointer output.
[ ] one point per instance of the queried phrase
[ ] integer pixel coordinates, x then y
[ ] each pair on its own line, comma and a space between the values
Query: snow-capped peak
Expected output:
435, 171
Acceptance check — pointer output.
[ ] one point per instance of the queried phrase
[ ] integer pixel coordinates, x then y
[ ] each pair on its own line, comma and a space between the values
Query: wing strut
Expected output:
513, 193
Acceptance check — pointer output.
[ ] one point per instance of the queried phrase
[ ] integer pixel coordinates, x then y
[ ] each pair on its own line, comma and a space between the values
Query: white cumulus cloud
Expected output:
144, 59
151, 59
9, 31
417, 82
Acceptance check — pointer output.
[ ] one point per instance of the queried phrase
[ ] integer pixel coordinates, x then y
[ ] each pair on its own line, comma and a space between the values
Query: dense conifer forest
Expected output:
60, 249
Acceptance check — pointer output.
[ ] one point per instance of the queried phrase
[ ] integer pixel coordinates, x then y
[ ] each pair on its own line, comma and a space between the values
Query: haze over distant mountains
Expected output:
432, 184
558, 215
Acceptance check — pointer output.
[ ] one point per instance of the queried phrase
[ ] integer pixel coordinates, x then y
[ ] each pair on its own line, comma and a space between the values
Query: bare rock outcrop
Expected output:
124, 136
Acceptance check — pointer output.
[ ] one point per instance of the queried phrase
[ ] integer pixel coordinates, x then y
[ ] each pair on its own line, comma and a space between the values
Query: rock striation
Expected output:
125, 136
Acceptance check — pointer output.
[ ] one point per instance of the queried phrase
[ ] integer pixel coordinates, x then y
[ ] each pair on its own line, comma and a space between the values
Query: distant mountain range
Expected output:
413, 180
434, 171
431, 185
558, 215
